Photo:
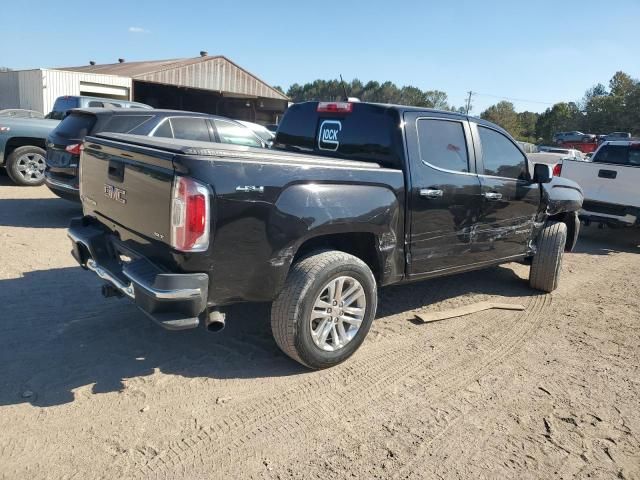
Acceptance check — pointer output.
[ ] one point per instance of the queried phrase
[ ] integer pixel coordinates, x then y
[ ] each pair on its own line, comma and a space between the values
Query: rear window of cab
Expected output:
367, 133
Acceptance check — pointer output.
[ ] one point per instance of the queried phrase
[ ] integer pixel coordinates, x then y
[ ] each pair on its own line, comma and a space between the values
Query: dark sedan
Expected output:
64, 143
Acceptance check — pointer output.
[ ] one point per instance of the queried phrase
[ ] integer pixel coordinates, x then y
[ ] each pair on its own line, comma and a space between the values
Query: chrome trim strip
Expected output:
106, 275
58, 184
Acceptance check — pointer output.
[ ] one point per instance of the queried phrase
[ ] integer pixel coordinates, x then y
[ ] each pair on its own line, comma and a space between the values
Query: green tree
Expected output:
527, 122
561, 117
503, 114
372, 91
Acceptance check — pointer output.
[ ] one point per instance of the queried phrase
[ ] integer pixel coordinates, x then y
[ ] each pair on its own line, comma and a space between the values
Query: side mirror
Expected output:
541, 173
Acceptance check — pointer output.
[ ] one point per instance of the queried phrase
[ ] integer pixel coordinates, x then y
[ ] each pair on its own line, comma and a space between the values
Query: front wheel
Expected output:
25, 165
325, 309
547, 262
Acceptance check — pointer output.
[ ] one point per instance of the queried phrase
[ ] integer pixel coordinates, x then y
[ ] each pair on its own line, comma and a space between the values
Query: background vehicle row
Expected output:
63, 146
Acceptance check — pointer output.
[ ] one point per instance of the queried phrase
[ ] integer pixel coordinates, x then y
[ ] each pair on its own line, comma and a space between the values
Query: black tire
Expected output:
25, 166
547, 262
291, 312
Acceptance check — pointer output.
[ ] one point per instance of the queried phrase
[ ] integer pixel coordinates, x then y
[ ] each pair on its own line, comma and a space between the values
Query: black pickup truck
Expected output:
352, 196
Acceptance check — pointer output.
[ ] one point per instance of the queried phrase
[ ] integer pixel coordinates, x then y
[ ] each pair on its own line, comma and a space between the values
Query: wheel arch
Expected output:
16, 142
359, 244
571, 220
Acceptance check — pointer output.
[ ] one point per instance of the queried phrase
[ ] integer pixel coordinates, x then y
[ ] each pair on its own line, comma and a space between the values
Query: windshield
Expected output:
264, 134
259, 130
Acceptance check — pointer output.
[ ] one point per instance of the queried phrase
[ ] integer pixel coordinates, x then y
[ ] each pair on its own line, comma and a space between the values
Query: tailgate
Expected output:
606, 183
128, 188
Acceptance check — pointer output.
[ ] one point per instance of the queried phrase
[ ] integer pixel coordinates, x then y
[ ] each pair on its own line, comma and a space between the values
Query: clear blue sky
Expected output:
548, 51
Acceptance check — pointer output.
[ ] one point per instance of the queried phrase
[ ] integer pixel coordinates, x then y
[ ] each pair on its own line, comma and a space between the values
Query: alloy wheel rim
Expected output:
31, 166
338, 313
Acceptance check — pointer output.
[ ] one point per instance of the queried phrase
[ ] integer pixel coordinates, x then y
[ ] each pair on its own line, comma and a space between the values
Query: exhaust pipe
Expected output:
214, 322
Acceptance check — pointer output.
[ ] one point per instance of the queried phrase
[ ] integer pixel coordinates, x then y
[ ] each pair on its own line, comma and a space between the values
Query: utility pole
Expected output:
469, 101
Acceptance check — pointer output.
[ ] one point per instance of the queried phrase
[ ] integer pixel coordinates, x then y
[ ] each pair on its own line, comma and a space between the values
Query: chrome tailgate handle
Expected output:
431, 193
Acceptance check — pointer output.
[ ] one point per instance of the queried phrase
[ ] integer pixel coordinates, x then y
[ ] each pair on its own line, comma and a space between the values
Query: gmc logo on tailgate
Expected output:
115, 193
328, 135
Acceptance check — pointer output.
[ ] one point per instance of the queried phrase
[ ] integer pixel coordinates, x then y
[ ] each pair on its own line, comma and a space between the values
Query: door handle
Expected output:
431, 193
116, 171
607, 174
492, 195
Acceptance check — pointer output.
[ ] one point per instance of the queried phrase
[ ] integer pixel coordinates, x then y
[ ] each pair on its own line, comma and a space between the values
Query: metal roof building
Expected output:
209, 84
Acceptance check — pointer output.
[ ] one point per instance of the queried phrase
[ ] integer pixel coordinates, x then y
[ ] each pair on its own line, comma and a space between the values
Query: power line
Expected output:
514, 99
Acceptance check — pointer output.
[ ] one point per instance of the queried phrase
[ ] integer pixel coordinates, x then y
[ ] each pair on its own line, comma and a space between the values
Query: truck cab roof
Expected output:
353, 130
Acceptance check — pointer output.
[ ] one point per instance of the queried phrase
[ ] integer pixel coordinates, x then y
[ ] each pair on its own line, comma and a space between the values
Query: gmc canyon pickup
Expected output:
352, 196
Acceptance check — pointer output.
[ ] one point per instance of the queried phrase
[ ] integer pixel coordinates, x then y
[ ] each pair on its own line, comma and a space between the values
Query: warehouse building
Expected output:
208, 84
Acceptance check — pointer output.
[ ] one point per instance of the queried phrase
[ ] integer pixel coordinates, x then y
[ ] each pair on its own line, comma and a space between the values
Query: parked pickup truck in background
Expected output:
610, 182
352, 197
22, 148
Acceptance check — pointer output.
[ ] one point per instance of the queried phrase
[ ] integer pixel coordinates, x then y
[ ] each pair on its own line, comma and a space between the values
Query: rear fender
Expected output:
307, 211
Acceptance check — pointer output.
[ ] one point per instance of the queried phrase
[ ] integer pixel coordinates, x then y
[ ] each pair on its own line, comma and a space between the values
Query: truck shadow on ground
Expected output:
605, 241
38, 212
70, 337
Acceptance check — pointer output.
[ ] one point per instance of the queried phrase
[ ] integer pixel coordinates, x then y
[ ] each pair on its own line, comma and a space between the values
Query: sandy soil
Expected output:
89, 388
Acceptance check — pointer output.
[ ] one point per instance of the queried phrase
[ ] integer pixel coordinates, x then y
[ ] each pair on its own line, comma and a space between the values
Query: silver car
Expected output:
575, 136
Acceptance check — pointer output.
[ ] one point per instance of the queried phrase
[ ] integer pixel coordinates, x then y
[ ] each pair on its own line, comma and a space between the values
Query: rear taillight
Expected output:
74, 149
335, 107
189, 215
557, 169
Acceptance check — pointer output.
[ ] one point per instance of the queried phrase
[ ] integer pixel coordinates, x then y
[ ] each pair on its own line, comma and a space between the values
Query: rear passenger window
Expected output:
164, 130
501, 158
125, 123
442, 144
189, 128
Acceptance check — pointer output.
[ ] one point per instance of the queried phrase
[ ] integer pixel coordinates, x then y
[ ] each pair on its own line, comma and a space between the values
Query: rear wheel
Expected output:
547, 262
325, 309
25, 166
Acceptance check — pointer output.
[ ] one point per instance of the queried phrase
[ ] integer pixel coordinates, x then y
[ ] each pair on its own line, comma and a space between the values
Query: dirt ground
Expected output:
89, 388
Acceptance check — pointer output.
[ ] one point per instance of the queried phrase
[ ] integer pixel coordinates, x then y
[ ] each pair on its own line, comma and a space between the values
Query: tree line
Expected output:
386, 92
602, 110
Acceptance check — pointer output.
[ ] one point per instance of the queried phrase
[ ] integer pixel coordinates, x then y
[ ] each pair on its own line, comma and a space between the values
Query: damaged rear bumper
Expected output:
176, 301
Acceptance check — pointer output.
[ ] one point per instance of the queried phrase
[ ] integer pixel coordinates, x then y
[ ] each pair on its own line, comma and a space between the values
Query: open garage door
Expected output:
252, 109
106, 91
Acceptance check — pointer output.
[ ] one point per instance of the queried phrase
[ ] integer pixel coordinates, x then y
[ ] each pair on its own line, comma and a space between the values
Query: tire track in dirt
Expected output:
294, 402
375, 376
530, 324
457, 374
